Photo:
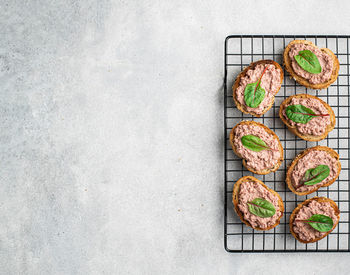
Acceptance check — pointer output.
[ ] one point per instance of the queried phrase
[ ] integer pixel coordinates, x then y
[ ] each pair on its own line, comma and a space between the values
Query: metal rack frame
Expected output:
240, 51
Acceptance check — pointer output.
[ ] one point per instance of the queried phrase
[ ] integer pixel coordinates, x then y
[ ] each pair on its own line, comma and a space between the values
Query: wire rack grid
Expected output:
240, 51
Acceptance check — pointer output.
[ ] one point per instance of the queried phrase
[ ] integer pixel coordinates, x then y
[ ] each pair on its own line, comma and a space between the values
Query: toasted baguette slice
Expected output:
288, 65
295, 131
235, 200
301, 155
269, 131
243, 108
306, 202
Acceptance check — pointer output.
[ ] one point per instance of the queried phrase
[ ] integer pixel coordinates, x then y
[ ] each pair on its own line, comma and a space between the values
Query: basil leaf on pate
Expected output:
261, 208
299, 113
253, 94
254, 143
321, 223
316, 175
308, 61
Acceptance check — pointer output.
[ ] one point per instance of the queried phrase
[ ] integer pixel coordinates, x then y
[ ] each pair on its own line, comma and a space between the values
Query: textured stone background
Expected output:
111, 134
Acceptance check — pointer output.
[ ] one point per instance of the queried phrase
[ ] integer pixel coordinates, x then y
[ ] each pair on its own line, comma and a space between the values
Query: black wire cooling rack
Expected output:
240, 51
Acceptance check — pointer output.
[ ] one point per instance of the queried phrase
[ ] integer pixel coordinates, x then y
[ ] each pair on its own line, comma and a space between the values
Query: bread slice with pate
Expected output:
314, 219
307, 116
312, 169
310, 66
256, 86
257, 205
258, 146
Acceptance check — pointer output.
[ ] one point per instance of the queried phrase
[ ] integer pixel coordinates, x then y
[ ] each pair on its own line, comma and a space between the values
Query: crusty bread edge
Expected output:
296, 210
287, 64
301, 155
252, 65
235, 197
294, 129
269, 131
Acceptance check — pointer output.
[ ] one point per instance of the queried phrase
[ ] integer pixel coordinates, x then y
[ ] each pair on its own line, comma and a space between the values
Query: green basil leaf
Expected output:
308, 61
254, 94
316, 175
261, 207
321, 223
254, 143
299, 113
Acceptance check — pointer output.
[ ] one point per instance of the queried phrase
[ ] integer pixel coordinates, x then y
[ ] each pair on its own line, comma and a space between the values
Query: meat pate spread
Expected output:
264, 159
302, 229
250, 190
317, 125
326, 62
311, 160
270, 82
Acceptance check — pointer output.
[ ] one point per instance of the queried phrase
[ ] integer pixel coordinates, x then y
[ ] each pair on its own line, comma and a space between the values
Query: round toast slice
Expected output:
294, 129
252, 65
269, 131
301, 155
306, 202
287, 64
235, 200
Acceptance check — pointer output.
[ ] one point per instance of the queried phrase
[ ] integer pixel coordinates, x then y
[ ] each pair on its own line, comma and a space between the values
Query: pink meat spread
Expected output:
326, 62
250, 190
270, 82
312, 160
317, 125
264, 159
302, 229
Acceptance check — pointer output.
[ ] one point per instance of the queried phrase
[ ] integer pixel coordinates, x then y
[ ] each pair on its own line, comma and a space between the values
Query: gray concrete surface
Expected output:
111, 134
